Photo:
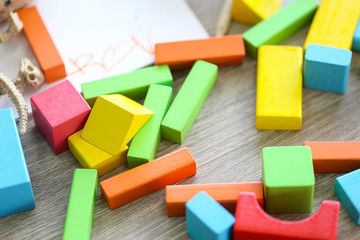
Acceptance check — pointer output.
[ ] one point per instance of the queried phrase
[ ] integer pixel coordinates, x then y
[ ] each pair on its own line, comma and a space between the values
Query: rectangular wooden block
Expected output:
16, 193
147, 178
335, 156
279, 88
334, 23
224, 193
40, 41
133, 85
81, 205
223, 50
189, 101
145, 143
280, 26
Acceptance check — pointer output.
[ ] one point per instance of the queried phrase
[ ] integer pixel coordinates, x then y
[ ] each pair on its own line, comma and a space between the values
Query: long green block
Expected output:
189, 100
133, 85
288, 179
280, 26
81, 205
144, 145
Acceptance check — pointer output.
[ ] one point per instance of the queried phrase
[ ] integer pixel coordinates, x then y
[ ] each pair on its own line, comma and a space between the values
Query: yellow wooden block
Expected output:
113, 122
254, 11
334, 23
279, 88
90, 156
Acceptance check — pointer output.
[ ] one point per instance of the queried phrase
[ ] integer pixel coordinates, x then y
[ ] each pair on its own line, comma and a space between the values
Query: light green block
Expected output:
288, 179
189, 101
280, 26
144, 145
81, 205
133, 85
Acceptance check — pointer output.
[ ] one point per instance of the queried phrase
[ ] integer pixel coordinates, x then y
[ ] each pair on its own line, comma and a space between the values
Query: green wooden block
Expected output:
81, 205
133, 85
144, 145
288, 179
280, 26
189, 100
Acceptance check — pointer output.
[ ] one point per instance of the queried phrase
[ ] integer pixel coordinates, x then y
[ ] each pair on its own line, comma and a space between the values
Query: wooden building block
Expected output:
188, 102
90, 156
133, 85
251, 222
144, 145
335, 156
81, 205
279, 88
254, 11
334, 23
356, 38
58, 112
280, 26
223, 50
43, 46
347, 190
207, 219
224, 193
147, 178
16, 193
326, 68
113, 121
288, 179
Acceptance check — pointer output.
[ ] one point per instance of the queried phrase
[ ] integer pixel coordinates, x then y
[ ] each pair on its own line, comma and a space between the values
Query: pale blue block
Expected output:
16, 193
207, 219
356, 39
347, 188
326, 68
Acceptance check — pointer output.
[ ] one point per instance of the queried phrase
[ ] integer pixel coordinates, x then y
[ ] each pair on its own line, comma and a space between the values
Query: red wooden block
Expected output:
251, 222
58, 112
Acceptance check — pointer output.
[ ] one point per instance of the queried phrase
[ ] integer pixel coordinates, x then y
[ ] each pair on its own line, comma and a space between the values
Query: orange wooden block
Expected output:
217, 50
42, 44
224, 193
147, 178
335, 156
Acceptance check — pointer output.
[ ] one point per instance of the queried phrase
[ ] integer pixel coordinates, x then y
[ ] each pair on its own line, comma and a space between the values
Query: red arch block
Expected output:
251, 222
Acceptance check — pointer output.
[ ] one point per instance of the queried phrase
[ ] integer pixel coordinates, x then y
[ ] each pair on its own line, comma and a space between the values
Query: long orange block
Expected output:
217, 50
42, 44
147, 178
224, 193
335, 156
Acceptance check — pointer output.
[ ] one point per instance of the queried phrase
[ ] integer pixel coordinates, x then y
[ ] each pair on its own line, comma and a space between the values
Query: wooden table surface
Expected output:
223, 140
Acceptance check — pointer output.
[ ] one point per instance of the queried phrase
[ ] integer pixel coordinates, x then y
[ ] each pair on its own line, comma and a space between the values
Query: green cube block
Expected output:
189, 101
288, 179
144, 145
133, 85
81, 205
280, 26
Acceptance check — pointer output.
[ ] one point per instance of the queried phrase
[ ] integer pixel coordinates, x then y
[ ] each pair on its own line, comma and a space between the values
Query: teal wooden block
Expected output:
280, 26
288, 179
189, 101
144, 145
16, 193
356, 39
207, 219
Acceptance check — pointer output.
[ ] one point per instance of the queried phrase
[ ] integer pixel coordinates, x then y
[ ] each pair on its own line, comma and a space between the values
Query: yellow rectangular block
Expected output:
89, 156
334, 23
279, 88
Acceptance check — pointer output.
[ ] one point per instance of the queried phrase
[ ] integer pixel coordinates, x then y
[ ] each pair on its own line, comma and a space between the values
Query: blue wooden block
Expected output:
326, 68
207, 219
16, 193
348, 191
356, 39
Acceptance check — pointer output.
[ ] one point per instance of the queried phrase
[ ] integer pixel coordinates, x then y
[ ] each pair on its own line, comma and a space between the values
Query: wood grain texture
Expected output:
223, 141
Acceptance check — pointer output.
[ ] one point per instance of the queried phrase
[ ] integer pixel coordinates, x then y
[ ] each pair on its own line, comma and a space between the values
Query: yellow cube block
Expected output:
113, 122
279, 88
254, 11
89, 156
